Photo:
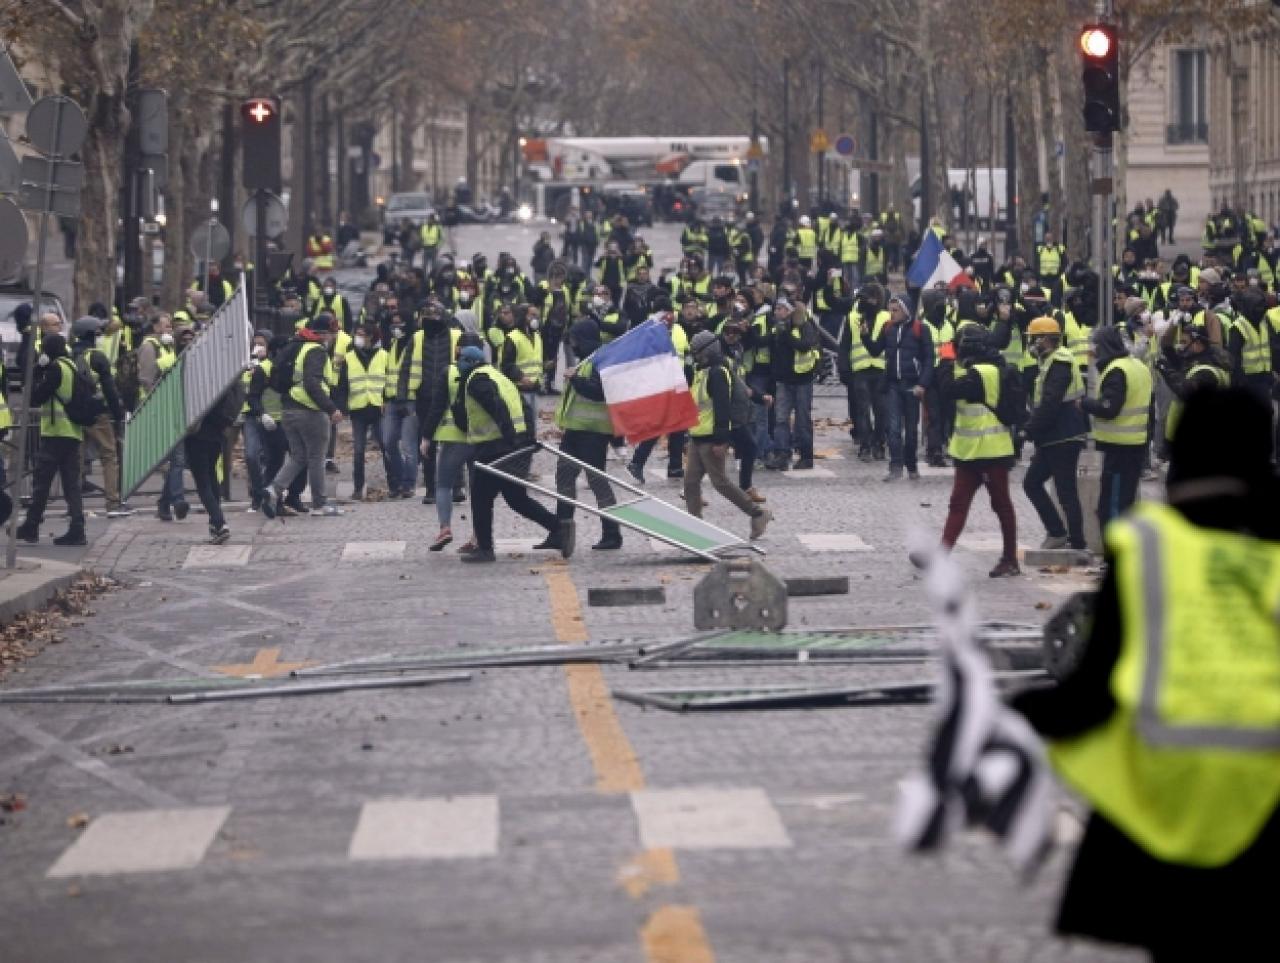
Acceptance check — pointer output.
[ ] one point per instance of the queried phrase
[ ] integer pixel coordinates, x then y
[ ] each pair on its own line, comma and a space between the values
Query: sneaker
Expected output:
938, 461
675, 472
608, 542
293, 506
325, 511
73, 536
164, 514
879, 454
330, 466
459, 496
479, 555
429, 498
254, 507
759, 522
28, 533
357, 495
755, 496
636, 472
181, 510
1054, 541
864, 454
913, 474
1005, 568
469, 547
803, 464
893, 475
919, 559
219, 536
441, 540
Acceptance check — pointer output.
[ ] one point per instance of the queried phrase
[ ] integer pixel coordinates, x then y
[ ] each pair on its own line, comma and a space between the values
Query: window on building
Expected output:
1189, 122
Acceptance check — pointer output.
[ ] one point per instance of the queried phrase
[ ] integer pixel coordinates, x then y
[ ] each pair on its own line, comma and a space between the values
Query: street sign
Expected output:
753, 165
37, 198
871, 166
10, 170
63, 175
277, 216
56, 126
845, 145
153, 121
819, 142
210, 240
13, 238
755, 151
14, 97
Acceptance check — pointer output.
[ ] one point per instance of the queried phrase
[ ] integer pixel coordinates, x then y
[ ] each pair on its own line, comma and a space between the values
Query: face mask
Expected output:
260, 351
397, 331
329, 292
359, 341
533, 325
43, 360
598, 302
166, 338
1024, 287
465, 297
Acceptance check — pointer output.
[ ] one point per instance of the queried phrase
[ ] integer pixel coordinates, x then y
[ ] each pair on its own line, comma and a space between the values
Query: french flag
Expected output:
644, 386
933, 265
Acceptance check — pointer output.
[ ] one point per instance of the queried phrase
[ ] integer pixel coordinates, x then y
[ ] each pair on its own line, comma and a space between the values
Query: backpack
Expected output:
127, 384
281, 380
739, 400
85, 404
1011, 408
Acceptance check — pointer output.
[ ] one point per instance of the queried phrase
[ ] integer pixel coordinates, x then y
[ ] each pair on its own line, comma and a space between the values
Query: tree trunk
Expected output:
1049, 142
175, 234
93, 65
1029, 188
410, 119
1078, 203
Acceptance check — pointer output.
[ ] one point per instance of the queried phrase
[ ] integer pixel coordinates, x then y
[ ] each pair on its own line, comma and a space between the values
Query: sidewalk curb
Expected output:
32, 584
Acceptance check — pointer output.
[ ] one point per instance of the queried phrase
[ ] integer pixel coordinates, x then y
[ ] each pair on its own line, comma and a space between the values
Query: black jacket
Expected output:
718, 387
101, 366
1054, 420
908, 352
313, 382
480, 387
783, 350
970, 388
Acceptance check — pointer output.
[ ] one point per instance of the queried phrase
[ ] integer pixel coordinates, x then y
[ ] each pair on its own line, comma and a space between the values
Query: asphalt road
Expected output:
524, 815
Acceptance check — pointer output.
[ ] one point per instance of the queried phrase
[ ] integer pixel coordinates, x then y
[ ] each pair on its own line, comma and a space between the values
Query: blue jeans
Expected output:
364, 423
451, 466
254, 458
171, 493
760, 415
902, 415
794, 400
400, 436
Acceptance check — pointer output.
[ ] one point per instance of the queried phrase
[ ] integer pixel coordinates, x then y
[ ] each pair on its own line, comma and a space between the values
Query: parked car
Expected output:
414, 207
709, 203
633, 203
10, 298
466, 214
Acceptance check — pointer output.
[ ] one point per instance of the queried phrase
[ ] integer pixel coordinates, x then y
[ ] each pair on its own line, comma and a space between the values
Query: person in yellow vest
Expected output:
6, 423
431, 235
436, 351
308, 412
334, 303
319, 250
794, 357
1058, 429
709, 439
521, 354
156, 355
1049, 260
220, 290
440, 429
102, 434
806, 242
253, 429
981, 447
399, 413
863, 374
489, 410
875, 258
60, 438
1199, 365
359, 394
1121, 412
1168, 724
584, 418
1249, 343
939, 412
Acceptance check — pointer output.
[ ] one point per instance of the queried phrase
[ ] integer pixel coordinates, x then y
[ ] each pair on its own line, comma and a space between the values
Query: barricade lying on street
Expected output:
187, 691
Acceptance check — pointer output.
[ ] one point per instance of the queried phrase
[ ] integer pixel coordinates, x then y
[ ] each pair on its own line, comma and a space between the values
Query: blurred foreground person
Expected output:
1169, 725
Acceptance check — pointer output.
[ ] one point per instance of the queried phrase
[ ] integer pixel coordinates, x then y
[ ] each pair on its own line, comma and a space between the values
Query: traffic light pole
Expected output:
1103, 243
259, 246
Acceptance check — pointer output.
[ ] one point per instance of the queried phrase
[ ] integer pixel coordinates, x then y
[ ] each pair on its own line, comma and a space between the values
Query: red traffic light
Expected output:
259, 110
1096, 42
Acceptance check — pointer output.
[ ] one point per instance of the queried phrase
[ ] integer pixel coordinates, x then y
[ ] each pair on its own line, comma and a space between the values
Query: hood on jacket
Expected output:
1108, 345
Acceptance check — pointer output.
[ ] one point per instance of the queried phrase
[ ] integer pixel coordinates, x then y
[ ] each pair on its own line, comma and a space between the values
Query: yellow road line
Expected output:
672, 934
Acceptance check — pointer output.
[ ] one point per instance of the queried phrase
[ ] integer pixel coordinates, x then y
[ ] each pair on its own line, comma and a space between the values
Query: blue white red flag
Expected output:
644, 384
933, 265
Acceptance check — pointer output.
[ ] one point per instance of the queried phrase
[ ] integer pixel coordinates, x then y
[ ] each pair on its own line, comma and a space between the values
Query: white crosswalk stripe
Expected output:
373, 551
218, 556
147, 841
457, 827
708, 819
833, 542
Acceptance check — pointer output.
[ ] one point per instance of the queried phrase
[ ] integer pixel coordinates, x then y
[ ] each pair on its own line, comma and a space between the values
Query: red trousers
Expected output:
969, 478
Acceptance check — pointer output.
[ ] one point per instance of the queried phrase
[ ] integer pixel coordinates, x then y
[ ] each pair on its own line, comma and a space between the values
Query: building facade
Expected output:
1244, 127
1169, 105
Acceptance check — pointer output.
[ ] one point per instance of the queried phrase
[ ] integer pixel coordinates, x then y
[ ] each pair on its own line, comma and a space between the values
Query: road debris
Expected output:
27, 634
